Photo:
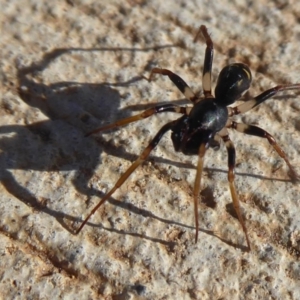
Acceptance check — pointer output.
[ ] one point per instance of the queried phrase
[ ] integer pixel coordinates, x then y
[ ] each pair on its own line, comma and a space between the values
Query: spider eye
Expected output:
233, 81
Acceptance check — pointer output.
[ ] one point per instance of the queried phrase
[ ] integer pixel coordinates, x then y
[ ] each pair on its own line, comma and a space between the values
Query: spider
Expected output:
205, 124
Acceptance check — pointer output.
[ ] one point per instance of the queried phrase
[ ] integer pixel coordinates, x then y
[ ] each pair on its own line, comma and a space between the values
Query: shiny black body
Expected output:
206, 118
209, 115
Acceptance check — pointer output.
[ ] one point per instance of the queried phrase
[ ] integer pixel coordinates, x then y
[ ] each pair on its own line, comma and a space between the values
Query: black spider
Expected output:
205, 124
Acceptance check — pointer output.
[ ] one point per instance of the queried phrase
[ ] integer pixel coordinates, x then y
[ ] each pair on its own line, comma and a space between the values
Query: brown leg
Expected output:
128, 172
147, 113
197, 185
231, 167
256, 131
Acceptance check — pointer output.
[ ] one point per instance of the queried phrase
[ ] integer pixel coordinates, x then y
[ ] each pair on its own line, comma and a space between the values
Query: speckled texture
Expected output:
70, 66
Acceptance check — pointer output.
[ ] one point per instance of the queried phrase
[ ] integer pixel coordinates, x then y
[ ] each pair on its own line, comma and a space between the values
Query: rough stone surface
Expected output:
70, 66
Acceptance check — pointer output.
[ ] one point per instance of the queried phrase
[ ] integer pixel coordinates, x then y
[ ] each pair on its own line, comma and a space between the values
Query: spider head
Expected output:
233, 81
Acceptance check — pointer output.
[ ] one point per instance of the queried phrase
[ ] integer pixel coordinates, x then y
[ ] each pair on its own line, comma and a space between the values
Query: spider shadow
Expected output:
171, 244
147, 214
58, 143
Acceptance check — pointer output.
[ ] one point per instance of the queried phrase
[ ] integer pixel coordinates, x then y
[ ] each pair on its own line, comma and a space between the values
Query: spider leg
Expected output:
196, 192
178, 81
147, 113
128, 172
257, 131
208, 60
231, 168
246, 106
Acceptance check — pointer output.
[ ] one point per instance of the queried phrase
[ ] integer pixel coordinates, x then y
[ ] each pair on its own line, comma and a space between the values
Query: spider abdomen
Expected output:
200, 126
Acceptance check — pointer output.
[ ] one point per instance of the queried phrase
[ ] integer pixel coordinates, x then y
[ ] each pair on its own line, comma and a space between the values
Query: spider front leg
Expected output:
129, 171
206, 77
244, 107
147, 113
177, 80
257, 131
208, 60
231, 168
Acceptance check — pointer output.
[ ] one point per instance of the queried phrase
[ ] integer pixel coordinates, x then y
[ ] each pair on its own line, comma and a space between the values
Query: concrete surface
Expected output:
70, 66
